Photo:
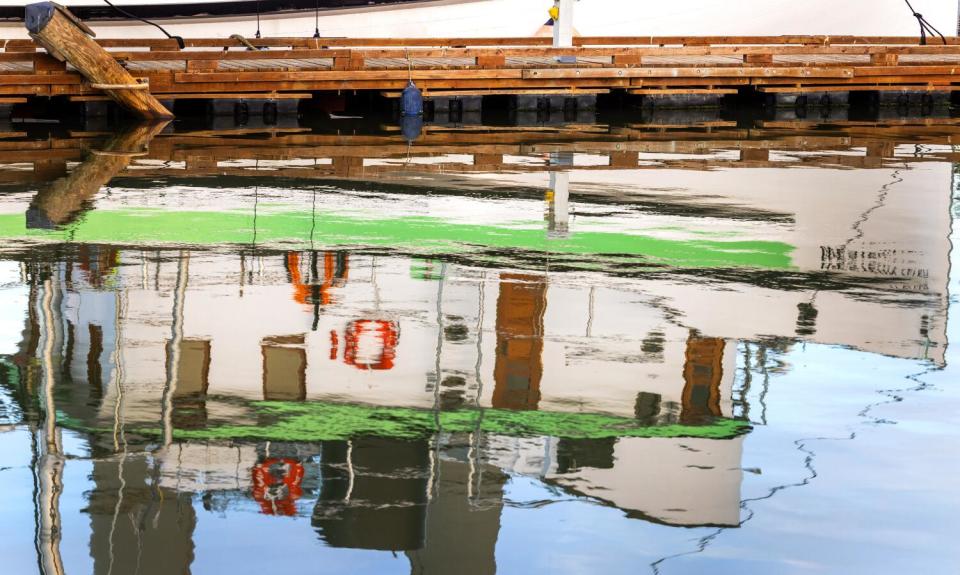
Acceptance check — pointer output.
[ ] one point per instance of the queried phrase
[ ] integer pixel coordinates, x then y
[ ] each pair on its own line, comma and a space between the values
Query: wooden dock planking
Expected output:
480, 66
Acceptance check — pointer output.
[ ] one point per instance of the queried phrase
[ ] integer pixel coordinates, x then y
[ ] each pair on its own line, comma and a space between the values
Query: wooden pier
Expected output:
300, 68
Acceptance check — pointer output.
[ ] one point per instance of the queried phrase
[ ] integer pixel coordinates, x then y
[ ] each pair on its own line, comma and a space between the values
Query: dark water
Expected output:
704, 348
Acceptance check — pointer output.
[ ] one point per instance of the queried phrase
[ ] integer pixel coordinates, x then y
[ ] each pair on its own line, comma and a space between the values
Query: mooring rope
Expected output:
925, 26
244, 41
123, 12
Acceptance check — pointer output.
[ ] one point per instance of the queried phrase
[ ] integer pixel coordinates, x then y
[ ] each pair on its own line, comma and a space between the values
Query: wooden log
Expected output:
65, 37
64, 198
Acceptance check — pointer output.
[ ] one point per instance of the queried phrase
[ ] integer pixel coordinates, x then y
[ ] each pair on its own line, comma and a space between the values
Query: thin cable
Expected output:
316, 21
925, 26
406, 53
123, 12
257, 35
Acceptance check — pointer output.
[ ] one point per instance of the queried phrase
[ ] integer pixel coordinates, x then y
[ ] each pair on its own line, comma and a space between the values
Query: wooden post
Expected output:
64, 198
67, 38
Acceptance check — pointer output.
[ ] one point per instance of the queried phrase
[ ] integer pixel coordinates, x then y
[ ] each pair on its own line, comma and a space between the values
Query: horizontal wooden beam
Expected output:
859, 88
690, 72
345, 75
209, 96
515, 92
678, 91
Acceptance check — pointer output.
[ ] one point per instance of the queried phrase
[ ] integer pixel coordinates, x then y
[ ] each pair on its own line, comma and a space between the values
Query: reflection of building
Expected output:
373, 494
380, 343
165, 331
135, 524
118, 350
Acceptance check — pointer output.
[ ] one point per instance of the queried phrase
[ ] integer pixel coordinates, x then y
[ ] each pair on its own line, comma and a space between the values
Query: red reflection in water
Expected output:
334, 344
277, 485
371, 344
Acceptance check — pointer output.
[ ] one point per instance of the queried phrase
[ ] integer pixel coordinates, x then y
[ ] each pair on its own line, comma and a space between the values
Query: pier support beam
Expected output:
455, 109
68, 39
910, 102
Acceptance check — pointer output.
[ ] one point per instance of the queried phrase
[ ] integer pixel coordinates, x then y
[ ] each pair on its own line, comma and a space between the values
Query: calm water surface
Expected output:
705, 348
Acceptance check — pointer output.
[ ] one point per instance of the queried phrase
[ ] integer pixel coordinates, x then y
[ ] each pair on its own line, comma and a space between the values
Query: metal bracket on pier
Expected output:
65, 37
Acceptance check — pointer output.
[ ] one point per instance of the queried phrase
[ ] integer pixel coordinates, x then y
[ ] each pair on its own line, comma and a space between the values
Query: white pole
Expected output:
563, 27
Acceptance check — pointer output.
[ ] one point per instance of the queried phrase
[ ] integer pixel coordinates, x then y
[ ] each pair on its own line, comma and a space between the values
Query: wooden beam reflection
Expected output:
65, 198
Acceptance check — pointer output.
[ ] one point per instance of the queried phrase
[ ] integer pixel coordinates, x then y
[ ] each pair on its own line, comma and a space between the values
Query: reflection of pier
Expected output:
65, 197
298, 153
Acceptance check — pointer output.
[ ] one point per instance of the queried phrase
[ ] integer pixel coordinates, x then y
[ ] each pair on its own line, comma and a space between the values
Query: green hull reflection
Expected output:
420, 234
320, 421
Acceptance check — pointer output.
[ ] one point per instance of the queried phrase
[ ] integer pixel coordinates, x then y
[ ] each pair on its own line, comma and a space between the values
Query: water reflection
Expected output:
384, 341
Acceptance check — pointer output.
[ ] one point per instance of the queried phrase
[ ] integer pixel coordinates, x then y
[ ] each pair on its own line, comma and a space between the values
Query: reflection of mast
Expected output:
476, 438
174, 345
558, 196
64, 198
558, 204
50, 464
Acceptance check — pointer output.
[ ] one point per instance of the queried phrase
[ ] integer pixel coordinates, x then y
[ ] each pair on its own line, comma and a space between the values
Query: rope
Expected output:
316, 21
243, 41
406, 54
925, 26
123, 12
257, 35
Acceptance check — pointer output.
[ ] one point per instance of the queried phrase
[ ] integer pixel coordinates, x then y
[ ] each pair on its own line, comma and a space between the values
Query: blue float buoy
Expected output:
411, 100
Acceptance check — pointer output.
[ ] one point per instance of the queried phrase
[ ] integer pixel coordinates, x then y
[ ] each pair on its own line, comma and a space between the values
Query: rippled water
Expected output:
705, 348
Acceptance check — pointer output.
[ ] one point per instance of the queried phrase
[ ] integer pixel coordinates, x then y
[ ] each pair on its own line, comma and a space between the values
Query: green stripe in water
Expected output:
322, 421
421, 234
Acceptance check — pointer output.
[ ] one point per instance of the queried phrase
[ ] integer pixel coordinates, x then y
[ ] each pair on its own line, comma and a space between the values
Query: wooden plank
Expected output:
345, 76
710, 40
857, 88
18, 79
231, 55
210, 96
516, 92
671, 91
732, 72
63, 36
905, 70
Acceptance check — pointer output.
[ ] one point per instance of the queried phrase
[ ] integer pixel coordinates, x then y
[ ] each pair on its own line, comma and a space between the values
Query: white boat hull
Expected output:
491, 18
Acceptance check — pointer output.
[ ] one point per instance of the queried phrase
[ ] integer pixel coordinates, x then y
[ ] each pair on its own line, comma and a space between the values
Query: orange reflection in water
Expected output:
277, 484
371, 344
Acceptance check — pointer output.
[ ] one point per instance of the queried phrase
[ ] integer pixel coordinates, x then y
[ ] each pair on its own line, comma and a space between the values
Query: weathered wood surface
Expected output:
472, 66
67, 39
